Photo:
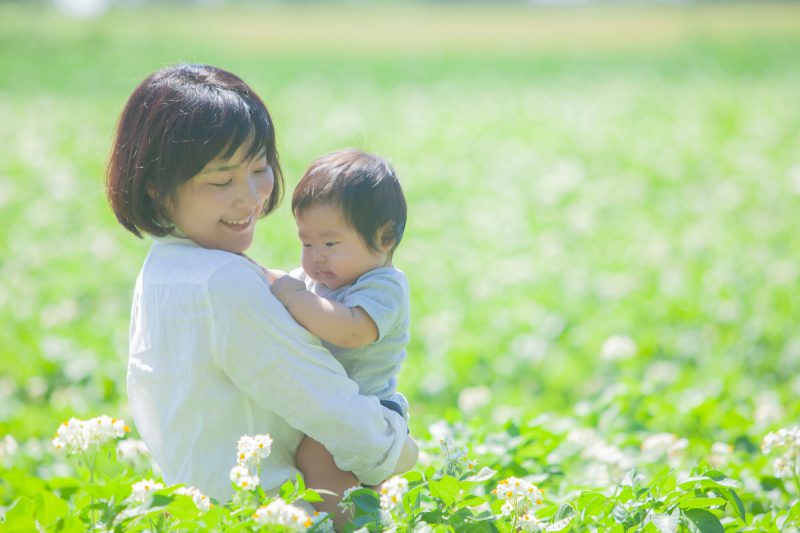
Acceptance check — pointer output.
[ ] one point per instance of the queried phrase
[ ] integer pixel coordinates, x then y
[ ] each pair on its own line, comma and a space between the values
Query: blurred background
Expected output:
603, 196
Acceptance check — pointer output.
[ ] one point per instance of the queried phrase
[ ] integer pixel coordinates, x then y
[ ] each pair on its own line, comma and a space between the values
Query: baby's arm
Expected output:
338, 324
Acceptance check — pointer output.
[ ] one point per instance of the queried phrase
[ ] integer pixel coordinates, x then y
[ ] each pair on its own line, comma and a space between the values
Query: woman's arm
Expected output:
333, 322
284, 368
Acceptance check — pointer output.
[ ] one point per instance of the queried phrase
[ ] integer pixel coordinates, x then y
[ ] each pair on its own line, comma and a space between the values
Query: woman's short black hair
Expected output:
365, 187
176, 121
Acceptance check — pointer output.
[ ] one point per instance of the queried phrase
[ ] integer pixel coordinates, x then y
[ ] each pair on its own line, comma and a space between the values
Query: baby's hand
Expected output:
285, 286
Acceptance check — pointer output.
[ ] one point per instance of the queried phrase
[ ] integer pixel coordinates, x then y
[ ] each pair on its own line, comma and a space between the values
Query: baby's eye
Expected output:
306, 245
329, 244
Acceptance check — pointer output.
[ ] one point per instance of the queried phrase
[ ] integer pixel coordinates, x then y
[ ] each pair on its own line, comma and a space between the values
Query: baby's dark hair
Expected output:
176, 121
366, 189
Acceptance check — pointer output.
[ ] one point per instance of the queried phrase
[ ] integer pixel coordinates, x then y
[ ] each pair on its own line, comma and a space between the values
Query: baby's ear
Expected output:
387, 236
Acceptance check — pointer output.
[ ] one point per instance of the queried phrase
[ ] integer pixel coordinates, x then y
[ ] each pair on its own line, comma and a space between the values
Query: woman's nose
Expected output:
248, 192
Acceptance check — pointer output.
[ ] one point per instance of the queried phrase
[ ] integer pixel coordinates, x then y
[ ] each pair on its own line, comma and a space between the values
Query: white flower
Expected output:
617, 348
529, 522
321, 522
346, 503
788, 438
77, 435
607, 453
787, 442
392, 491
8, 447
131, 449
667, 444
200, 500
251, 450
143, 490
242, 478
455, 458
659, 442
471, 399
279, 512
720, 454
519, 495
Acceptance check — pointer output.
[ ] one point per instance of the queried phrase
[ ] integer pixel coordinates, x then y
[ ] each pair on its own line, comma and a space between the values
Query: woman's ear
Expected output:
151, 191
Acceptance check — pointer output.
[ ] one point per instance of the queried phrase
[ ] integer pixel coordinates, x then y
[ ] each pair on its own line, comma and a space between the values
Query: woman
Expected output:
213, 355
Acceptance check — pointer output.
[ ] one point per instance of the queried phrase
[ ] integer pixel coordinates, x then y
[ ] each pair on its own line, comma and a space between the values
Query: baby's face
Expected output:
334, 254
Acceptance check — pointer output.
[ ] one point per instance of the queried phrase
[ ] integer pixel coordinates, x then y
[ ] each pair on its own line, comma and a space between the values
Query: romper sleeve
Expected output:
285, 369
383, 295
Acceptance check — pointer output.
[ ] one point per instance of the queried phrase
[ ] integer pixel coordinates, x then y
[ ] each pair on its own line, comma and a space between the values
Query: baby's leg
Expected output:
320, 472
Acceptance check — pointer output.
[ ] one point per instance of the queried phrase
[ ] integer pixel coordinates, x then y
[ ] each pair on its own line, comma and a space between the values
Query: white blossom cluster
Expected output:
278, 512
250, 451
529, 522
392, 492
666, 444
787, 442
346, 503
618, 348
243, 478
143, 490
77, 435
456, 458
130, 450
202, 501
8, 447
519, 496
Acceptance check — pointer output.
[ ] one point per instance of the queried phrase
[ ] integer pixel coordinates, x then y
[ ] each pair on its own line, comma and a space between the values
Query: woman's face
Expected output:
219, 207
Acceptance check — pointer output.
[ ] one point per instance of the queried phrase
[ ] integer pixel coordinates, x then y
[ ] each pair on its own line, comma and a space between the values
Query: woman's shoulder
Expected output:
183, 261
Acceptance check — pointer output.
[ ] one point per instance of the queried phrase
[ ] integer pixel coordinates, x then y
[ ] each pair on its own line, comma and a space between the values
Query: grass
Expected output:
601, 231
572, 174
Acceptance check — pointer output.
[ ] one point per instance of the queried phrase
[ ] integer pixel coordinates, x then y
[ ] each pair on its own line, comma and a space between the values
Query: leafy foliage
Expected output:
600, 248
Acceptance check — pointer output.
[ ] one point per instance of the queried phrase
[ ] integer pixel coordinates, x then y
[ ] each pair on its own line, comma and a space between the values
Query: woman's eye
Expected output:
261, 170
222, 184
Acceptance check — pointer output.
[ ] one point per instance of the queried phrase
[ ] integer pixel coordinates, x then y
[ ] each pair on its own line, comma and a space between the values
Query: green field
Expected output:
603, 207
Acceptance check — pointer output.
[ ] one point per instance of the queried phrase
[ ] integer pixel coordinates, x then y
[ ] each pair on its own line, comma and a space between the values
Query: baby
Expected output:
350, 213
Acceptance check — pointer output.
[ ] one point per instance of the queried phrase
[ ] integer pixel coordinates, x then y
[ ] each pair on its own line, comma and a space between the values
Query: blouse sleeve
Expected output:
383, 295
285, 369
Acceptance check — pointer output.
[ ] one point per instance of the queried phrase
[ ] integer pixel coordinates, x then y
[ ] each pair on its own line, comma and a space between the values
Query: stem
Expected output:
90, 463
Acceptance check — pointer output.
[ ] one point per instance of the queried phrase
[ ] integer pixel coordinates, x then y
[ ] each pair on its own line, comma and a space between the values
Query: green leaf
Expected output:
310, 495
705, 521
366, 500
484, 474
287, 490
49, 508
666, 523
160, 500
563, 512
701, 503
446, 489
414, 477
737, 503
432, 517
20, 516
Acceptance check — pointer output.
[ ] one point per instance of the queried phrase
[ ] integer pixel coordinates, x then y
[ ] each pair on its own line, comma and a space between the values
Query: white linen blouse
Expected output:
214, 355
